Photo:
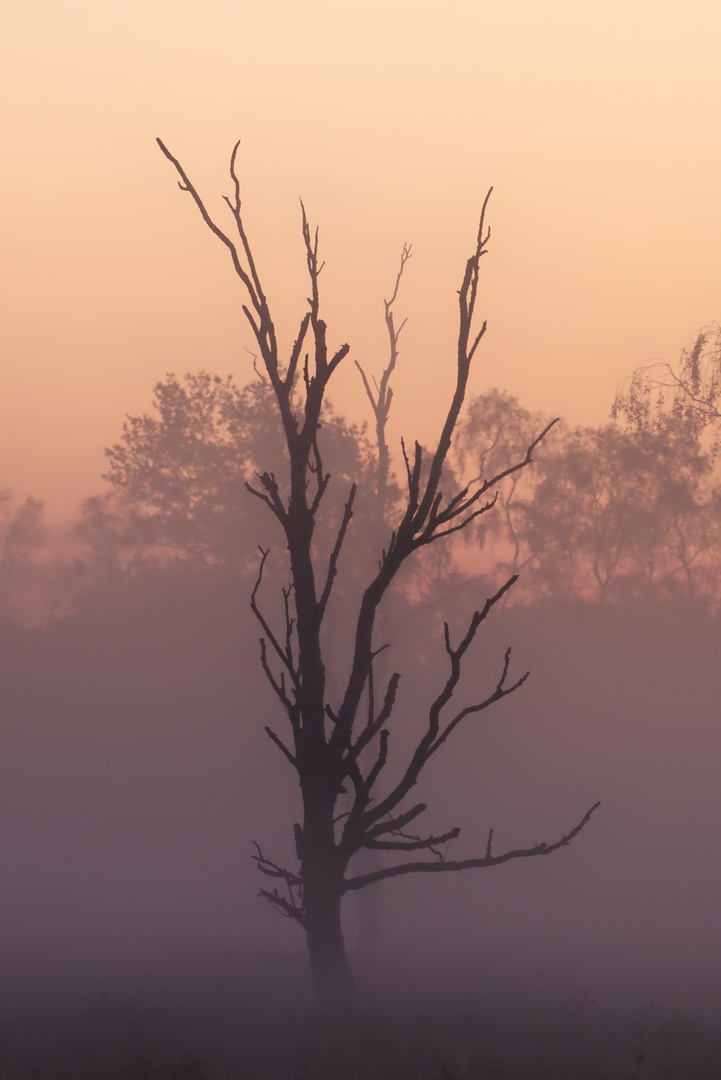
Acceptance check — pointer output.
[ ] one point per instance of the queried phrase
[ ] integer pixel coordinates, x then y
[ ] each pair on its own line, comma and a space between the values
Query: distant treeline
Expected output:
628, 509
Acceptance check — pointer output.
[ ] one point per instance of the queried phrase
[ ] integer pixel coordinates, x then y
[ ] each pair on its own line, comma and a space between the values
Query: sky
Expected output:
596, 125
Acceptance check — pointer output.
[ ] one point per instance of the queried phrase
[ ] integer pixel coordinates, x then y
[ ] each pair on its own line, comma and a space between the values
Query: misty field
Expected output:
252, 1020
132, 789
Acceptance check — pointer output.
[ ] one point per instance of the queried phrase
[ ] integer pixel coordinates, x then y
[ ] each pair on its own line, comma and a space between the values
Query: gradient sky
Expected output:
596, 124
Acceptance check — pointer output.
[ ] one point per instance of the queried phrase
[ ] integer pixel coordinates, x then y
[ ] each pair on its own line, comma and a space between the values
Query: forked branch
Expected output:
291, 905
487, 860
436, 733
381, 399
284, 654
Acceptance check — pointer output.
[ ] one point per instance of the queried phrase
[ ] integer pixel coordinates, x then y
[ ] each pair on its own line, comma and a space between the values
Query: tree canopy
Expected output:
178, 476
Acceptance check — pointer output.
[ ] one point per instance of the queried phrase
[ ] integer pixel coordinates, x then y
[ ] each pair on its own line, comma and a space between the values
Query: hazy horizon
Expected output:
593, 126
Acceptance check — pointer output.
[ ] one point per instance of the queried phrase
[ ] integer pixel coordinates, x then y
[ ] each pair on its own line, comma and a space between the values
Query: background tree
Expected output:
622, 510
494, 432
683, 399
178, 474
591, 519
676, 409
113, 542
345, 808
22, 536
184, 466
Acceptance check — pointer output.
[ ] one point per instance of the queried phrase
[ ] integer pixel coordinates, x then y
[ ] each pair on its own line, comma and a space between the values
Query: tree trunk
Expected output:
323, 872
332, 978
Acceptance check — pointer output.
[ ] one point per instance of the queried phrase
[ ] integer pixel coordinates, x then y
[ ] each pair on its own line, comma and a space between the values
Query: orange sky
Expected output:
596, 124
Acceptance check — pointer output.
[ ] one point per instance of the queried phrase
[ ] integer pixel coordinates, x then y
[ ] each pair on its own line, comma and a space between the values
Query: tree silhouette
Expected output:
346, 806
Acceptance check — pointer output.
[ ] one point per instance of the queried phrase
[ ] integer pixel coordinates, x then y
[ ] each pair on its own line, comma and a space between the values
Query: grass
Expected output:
264, 1028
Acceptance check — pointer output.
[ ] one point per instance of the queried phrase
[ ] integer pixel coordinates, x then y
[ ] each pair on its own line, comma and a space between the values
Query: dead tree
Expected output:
380, 397
328, 743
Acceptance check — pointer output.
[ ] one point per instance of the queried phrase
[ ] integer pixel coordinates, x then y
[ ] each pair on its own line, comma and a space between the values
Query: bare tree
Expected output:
380, 396
327, 740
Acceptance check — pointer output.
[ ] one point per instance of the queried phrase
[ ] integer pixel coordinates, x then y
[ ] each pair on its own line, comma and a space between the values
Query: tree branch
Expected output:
284, 906
292, 906
501, 691
361, 880
373, 727
335, 554
281, 746
186, 185
430, 741
271, 869
278, 685
414, 843
395, 824
282, 654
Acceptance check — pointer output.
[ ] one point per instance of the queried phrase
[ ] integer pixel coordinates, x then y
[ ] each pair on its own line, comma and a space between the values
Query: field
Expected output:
254, 1020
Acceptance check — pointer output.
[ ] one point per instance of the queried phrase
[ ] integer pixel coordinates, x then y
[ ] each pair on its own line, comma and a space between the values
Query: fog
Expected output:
136, 775
140, 792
